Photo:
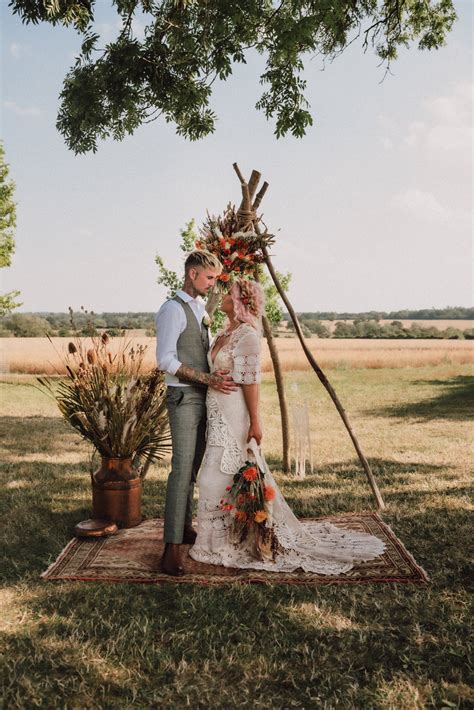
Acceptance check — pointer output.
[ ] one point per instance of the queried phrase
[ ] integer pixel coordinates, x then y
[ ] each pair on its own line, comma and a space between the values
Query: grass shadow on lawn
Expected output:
454, 402
176, 644
106, 646
38, 434
343, 486
41, 502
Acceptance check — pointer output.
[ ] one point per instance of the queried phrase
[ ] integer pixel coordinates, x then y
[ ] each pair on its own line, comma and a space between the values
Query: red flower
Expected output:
250, 474
269, 492
224, 277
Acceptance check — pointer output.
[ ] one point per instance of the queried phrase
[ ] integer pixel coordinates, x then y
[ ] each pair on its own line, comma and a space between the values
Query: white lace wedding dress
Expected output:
313, 547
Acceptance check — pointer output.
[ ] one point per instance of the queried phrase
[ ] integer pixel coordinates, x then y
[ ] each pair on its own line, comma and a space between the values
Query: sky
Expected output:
371, 210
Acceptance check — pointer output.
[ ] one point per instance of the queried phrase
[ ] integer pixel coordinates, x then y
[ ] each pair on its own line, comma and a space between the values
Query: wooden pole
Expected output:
247, 212
325, 382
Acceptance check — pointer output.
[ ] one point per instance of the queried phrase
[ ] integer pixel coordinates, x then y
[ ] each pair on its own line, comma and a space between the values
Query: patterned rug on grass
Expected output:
134, 555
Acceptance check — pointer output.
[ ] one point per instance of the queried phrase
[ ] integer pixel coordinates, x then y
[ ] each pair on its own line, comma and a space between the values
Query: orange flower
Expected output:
241, 516
250, 474
224, 277
260, 516
269, 492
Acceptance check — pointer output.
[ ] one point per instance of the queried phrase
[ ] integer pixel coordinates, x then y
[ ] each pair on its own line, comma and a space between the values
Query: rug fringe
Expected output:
58, 559
423, 572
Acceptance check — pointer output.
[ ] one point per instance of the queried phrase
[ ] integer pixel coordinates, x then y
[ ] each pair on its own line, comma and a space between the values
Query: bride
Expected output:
234, 434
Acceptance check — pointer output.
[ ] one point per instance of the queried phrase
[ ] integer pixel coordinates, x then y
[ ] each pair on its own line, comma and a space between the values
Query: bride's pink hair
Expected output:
257, 296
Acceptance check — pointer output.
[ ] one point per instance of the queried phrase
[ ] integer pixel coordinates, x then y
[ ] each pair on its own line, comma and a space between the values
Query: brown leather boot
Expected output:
171, 560
189, 535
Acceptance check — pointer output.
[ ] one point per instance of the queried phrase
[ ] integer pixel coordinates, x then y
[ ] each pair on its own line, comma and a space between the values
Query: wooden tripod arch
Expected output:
248, 220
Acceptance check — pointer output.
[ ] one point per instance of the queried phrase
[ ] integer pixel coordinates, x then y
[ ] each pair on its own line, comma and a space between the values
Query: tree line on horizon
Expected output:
362, 325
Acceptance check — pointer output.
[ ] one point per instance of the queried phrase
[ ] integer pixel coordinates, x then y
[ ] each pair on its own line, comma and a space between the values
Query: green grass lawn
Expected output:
78, 645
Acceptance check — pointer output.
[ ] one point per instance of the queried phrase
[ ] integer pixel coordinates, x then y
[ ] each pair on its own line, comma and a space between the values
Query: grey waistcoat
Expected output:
193, 343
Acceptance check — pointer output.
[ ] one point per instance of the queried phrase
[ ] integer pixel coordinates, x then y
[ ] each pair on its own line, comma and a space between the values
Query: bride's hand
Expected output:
255, 432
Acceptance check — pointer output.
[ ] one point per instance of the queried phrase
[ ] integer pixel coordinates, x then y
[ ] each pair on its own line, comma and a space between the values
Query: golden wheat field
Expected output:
40, 356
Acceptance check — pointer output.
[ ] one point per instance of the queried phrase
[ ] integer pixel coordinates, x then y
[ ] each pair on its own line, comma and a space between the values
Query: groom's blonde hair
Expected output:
202, 258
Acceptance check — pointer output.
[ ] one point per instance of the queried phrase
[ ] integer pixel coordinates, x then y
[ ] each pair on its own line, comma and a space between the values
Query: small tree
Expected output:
7, 230
27, 325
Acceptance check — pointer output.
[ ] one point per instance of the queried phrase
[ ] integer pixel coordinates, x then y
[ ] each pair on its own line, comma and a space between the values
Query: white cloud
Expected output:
22, 110
16, 50
387, 143
424, 206
416, 132
447, 124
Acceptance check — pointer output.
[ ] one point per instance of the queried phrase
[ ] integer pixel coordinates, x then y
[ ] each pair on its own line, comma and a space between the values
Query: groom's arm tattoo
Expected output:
202, 378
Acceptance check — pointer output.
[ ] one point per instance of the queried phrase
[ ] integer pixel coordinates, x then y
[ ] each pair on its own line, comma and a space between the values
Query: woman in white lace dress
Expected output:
233, 437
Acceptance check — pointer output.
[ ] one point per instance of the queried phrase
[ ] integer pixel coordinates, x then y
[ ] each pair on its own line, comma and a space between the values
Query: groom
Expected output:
182, 347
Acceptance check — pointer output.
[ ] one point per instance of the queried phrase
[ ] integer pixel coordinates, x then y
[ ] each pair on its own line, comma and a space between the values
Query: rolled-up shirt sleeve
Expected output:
170, 323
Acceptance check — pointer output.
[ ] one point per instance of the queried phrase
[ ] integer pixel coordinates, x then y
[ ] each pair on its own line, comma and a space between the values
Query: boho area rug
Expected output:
134, 555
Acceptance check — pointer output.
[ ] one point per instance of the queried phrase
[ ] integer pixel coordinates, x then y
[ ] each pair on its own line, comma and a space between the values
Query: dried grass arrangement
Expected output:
109, 399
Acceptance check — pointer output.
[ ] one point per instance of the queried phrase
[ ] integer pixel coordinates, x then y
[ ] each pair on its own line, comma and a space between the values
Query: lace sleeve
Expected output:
246, 352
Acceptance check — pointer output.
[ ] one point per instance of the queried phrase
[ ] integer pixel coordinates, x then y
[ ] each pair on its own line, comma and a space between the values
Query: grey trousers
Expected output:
187, 417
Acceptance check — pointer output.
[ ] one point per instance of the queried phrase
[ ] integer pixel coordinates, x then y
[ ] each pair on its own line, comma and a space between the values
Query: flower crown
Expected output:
248, 298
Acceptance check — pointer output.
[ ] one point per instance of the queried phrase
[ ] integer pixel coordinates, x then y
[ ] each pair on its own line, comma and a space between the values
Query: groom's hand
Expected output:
221, 380
218, 380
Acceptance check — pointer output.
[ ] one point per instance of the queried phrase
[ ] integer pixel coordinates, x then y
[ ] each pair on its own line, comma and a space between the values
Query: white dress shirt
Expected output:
170, 323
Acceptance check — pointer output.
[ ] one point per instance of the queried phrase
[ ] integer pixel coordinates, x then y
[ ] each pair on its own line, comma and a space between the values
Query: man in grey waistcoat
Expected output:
182, 348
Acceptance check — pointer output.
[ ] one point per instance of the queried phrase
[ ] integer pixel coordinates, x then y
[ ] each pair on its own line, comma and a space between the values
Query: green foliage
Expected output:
317, 328
273, 305
449, 313
187, 45
7, 213
26, 325
372, 329
8, 302
7, 230
168, 277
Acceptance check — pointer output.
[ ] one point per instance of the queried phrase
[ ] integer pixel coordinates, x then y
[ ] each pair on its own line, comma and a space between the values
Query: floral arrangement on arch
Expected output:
249, 500
239, 251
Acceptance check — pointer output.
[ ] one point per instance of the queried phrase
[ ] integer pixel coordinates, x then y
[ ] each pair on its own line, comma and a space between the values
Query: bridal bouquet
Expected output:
249, 500
237, 250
